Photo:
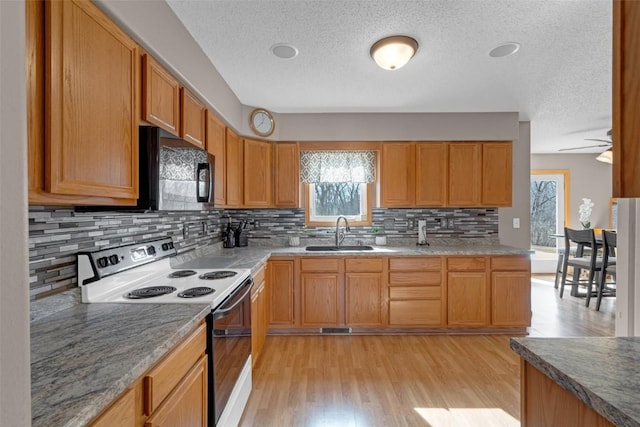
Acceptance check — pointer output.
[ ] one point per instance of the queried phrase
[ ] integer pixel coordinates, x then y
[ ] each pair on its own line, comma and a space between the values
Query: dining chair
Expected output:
610, 242
580, 260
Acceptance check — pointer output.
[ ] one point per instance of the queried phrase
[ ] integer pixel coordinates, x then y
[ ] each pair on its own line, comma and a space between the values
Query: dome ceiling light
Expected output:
392, 53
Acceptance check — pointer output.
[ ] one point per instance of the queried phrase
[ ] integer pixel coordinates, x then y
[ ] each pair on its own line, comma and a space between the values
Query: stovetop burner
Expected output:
150, 292
181, 273
213, 275
196, 292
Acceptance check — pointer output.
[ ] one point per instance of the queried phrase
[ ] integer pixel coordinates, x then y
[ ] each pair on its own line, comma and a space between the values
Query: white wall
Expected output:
15, 396
588, 178
518, 237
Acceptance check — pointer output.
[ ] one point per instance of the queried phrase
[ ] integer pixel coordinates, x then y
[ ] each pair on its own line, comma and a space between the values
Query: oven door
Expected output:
230, 347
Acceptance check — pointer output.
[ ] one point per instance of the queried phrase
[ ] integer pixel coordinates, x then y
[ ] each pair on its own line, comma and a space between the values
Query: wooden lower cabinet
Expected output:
416, 292
171, 393
280, 285
319, 299
363, 299
545, 403
122, 413
187, 403
511, 291
467, 299
259, 315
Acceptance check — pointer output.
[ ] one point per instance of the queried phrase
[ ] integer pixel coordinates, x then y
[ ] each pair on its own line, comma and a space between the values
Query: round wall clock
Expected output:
261, 122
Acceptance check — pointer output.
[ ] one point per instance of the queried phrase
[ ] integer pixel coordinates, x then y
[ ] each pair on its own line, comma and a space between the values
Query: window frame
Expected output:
370, 188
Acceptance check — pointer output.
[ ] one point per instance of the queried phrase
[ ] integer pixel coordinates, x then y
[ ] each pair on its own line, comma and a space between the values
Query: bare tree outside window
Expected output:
543, 213
337, 198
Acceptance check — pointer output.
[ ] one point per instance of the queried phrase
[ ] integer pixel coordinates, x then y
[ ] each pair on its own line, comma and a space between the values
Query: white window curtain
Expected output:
337, 166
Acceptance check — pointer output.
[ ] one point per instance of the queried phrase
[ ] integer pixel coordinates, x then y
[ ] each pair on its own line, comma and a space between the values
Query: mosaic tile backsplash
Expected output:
57, 234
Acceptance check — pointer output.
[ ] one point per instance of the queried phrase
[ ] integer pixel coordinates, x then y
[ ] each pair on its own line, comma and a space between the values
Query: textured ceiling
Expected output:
560, 79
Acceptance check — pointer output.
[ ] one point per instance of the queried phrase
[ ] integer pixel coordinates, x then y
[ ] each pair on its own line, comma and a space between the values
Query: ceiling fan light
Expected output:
393, 53
606, 157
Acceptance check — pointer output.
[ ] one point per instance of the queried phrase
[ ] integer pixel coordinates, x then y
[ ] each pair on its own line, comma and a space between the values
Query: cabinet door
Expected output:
431, 174
511, 298
465, 174
397, 175
256, 327
467, 299
257, 173
216, 137
193, 117
363, 304
496, 174
91, 103
122, 413
187, 403
319, 296
160, 96
234, 169
287, 175
280, 286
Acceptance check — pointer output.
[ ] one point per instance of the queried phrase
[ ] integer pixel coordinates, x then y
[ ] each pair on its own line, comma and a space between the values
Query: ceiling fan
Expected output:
607, 143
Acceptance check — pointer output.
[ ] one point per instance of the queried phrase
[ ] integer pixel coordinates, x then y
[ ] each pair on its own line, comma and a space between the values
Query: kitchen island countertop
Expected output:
84, 357
603, 372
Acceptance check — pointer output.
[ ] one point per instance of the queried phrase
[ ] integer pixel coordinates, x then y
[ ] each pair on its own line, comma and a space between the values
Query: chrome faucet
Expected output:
340, 234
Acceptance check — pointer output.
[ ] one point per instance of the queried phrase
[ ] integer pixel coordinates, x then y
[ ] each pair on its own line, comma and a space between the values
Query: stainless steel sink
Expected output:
339, 248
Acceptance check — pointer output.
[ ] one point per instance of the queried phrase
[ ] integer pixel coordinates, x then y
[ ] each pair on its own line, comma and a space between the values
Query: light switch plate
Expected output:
516, 222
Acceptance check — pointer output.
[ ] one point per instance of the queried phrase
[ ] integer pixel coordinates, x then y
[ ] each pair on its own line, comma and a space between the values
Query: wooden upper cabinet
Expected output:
496, 174
160, 95
193, 117
91, 103
286, 175
465, 174
431, 174
397, 174
257, 173
216, 141
626, 93
234, 169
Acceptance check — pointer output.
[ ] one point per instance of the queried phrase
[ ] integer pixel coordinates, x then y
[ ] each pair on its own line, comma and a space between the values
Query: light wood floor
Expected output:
407, 380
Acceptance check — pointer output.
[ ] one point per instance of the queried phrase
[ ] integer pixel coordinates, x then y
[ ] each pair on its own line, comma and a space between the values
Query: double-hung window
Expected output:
338, 183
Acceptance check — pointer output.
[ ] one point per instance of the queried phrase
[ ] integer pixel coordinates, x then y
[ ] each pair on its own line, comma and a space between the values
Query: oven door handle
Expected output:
221, 312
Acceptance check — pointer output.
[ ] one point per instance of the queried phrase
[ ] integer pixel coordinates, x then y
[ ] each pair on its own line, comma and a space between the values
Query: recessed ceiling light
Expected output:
505, 49
284, 51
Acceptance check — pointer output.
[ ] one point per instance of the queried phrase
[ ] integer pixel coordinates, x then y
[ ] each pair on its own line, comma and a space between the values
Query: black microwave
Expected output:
175, 175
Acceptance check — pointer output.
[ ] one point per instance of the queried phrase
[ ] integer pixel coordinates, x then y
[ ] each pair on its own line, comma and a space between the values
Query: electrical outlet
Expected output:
516, 222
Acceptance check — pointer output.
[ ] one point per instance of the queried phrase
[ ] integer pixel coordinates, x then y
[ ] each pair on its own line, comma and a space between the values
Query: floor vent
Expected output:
335, 330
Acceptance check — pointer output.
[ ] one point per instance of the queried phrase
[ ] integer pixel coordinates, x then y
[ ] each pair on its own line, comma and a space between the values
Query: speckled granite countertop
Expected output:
254, 257
604, 373
83, 357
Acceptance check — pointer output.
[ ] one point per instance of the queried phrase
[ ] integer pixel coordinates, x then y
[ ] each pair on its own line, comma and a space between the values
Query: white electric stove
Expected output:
141, 273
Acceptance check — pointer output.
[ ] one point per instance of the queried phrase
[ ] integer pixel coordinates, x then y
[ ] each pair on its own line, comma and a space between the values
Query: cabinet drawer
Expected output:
320, 264
415, 278
415, 292
122, 413
466, 263
414, 264
164, 377
367, 265
415, 313
510, 263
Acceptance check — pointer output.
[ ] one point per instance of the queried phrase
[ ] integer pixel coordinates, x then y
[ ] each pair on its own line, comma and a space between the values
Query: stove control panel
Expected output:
95, 265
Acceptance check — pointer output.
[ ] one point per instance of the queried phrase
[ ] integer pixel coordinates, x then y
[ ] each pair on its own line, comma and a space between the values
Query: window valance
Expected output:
337, 166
